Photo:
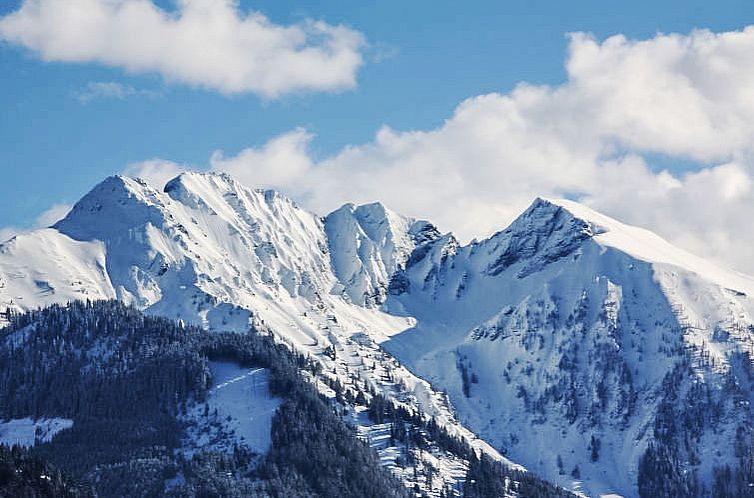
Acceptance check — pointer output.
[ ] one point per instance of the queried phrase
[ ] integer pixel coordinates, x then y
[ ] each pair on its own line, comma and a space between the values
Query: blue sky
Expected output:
421, 60
431, 55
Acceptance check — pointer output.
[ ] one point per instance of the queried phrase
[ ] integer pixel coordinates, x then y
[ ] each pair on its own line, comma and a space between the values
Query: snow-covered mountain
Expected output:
591, 352
208, 251
571, 342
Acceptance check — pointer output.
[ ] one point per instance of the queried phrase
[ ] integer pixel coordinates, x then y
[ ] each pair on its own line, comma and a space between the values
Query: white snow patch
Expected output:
28, 432
239, 410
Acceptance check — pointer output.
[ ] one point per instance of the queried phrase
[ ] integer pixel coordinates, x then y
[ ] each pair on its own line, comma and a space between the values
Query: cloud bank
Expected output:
625, 105
205, 43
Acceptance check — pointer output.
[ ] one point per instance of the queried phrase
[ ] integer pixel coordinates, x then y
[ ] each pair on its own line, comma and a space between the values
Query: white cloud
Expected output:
52, 215
281, 161
684, 97
96, 90
206, 43
45, 219
156, 172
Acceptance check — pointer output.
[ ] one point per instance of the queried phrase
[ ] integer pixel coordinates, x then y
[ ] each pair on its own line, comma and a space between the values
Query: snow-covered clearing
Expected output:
239, 410
28, 432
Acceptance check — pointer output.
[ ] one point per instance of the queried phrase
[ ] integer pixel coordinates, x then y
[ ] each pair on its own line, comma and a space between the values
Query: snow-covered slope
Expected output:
46, 266
201, 247
240, 404
558, 337
566, 341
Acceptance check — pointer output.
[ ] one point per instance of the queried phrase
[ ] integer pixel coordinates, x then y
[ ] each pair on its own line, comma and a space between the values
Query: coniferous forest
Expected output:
25, 476
126, 380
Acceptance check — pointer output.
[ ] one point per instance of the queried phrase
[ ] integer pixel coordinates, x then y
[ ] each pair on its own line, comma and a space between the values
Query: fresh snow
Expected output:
563, 301
448, 471
46, 266
650, 247
408, 310
28, 432
368, 245
238, 411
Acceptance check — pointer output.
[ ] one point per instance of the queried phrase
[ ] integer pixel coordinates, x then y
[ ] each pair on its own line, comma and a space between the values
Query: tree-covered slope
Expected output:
126, 379
26, 476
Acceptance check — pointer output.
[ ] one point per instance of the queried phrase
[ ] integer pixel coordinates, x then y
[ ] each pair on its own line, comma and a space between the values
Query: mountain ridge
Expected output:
564, 326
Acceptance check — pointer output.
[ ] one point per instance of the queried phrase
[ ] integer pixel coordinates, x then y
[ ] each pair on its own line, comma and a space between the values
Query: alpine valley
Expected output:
206, 339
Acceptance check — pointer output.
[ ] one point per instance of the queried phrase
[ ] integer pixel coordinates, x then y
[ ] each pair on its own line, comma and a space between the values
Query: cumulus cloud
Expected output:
625, 102
206, 43
282, 161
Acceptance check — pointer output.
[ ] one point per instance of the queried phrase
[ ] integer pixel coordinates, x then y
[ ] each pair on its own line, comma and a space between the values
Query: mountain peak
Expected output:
376, 207
545, 232
571, 214
569, 220
112, 206
207, 178
119, 186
